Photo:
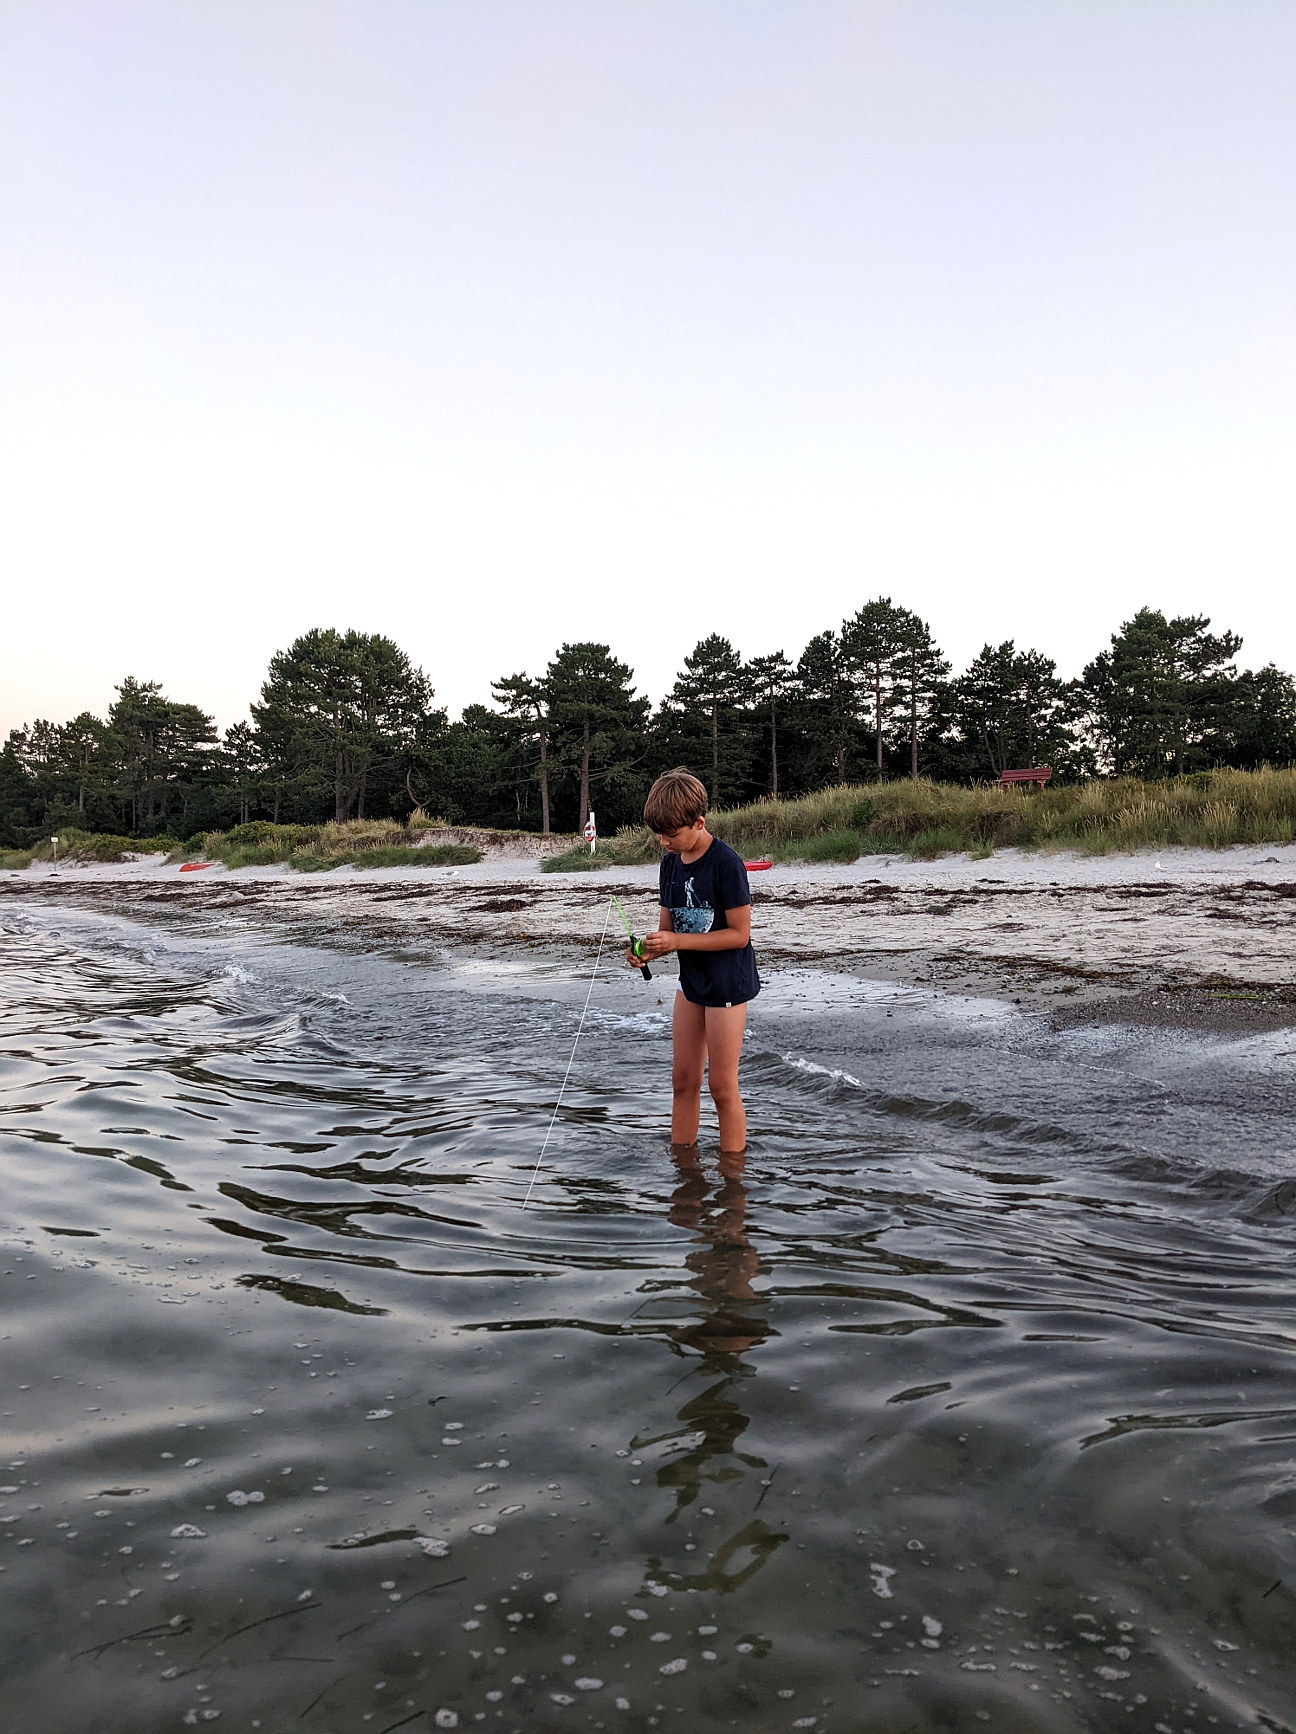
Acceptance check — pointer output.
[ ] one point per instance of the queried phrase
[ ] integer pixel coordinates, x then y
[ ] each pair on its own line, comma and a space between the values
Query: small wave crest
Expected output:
952, 1111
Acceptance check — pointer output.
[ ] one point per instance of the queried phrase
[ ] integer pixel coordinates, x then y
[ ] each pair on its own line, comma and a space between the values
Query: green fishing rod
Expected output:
636, 945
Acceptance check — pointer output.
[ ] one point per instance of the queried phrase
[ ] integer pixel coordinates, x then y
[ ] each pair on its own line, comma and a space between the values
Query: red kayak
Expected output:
195, 866
757, 866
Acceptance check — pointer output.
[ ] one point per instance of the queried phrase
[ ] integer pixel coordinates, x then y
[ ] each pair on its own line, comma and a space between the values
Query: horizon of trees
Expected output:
346, 727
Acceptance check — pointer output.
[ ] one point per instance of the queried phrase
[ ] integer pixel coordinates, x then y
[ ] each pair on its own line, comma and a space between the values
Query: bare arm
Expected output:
730, 938
665, 924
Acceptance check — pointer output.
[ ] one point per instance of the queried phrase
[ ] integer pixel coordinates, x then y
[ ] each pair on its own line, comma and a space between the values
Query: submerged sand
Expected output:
1176, 935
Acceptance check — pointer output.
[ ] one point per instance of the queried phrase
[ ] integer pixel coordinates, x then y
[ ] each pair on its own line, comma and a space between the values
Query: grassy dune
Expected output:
88, 846
633, 846
317, 848
308, 848
1209, 809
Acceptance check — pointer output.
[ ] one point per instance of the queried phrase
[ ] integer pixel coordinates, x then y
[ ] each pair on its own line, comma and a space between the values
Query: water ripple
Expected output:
966, 1396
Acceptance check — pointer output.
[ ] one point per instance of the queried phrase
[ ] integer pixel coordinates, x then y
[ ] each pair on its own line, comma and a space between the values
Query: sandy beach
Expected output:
1177, 935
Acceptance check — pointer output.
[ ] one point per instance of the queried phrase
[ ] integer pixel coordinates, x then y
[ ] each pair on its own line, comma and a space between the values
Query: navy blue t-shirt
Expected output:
697, 896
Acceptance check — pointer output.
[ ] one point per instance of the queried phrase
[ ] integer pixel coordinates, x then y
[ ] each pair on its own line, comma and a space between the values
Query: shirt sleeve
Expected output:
731, 882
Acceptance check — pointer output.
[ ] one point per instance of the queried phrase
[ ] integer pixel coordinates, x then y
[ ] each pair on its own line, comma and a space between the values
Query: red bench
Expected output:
1038, 775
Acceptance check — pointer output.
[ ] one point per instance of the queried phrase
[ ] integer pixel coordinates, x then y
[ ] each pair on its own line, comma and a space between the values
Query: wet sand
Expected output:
1188, 938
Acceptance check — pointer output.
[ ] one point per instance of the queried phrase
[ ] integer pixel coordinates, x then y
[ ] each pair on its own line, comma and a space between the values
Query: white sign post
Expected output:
591, 831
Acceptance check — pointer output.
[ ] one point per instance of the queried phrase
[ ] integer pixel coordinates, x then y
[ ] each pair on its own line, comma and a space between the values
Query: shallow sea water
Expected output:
967, 1400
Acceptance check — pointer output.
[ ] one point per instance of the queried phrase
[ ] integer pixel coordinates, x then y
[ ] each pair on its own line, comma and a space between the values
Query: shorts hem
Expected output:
716, 1004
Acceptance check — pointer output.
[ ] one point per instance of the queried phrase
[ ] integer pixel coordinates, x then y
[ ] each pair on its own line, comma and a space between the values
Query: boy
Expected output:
706, 918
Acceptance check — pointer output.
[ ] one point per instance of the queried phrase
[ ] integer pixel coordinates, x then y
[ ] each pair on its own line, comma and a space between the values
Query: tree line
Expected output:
347, 727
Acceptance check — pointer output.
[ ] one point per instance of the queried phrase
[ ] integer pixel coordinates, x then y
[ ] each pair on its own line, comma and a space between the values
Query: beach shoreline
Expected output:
1188, 938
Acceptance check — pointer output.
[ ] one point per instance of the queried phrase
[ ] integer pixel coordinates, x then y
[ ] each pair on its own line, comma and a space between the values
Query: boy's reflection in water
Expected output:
723, 1264
733, 1322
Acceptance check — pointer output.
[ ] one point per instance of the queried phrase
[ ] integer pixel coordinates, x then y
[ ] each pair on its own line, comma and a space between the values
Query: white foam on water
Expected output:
835, 1073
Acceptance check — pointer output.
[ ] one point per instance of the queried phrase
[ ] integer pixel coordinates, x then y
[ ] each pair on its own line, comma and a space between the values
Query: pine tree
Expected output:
772, 679
86, 753
526, 699
596, 719
704, 711
335, 706
822, 712
243, 765
918, 674
1259, 726
19, 806
163, 748
1161, 689
1011, 709
873, 647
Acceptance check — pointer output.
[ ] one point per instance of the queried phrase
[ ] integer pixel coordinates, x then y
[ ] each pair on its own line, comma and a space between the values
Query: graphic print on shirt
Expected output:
693, 918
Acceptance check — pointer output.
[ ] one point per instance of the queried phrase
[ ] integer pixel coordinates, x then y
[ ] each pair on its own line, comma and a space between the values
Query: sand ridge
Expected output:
1055, 926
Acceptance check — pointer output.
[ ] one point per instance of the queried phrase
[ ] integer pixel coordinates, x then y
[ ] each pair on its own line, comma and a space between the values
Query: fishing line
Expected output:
607, 916
636, 945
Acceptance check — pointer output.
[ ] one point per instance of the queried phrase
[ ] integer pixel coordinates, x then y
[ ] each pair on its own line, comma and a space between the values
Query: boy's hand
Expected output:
654, 945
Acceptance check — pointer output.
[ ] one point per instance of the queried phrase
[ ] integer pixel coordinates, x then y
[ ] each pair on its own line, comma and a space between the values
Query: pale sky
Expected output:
488, 324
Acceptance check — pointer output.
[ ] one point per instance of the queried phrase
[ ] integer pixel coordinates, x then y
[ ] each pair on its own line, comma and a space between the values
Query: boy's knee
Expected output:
724, 1092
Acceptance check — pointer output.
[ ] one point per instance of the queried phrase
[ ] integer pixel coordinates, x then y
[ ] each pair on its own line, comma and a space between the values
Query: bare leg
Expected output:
689, 1053
724, 1036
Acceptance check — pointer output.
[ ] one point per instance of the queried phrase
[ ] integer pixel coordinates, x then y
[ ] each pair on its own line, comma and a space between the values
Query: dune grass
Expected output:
1209, 809
99, 846
317, 858
633, 846
319, 848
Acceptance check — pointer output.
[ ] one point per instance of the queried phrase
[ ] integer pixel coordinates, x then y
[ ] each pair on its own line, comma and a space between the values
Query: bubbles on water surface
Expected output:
823, 1268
